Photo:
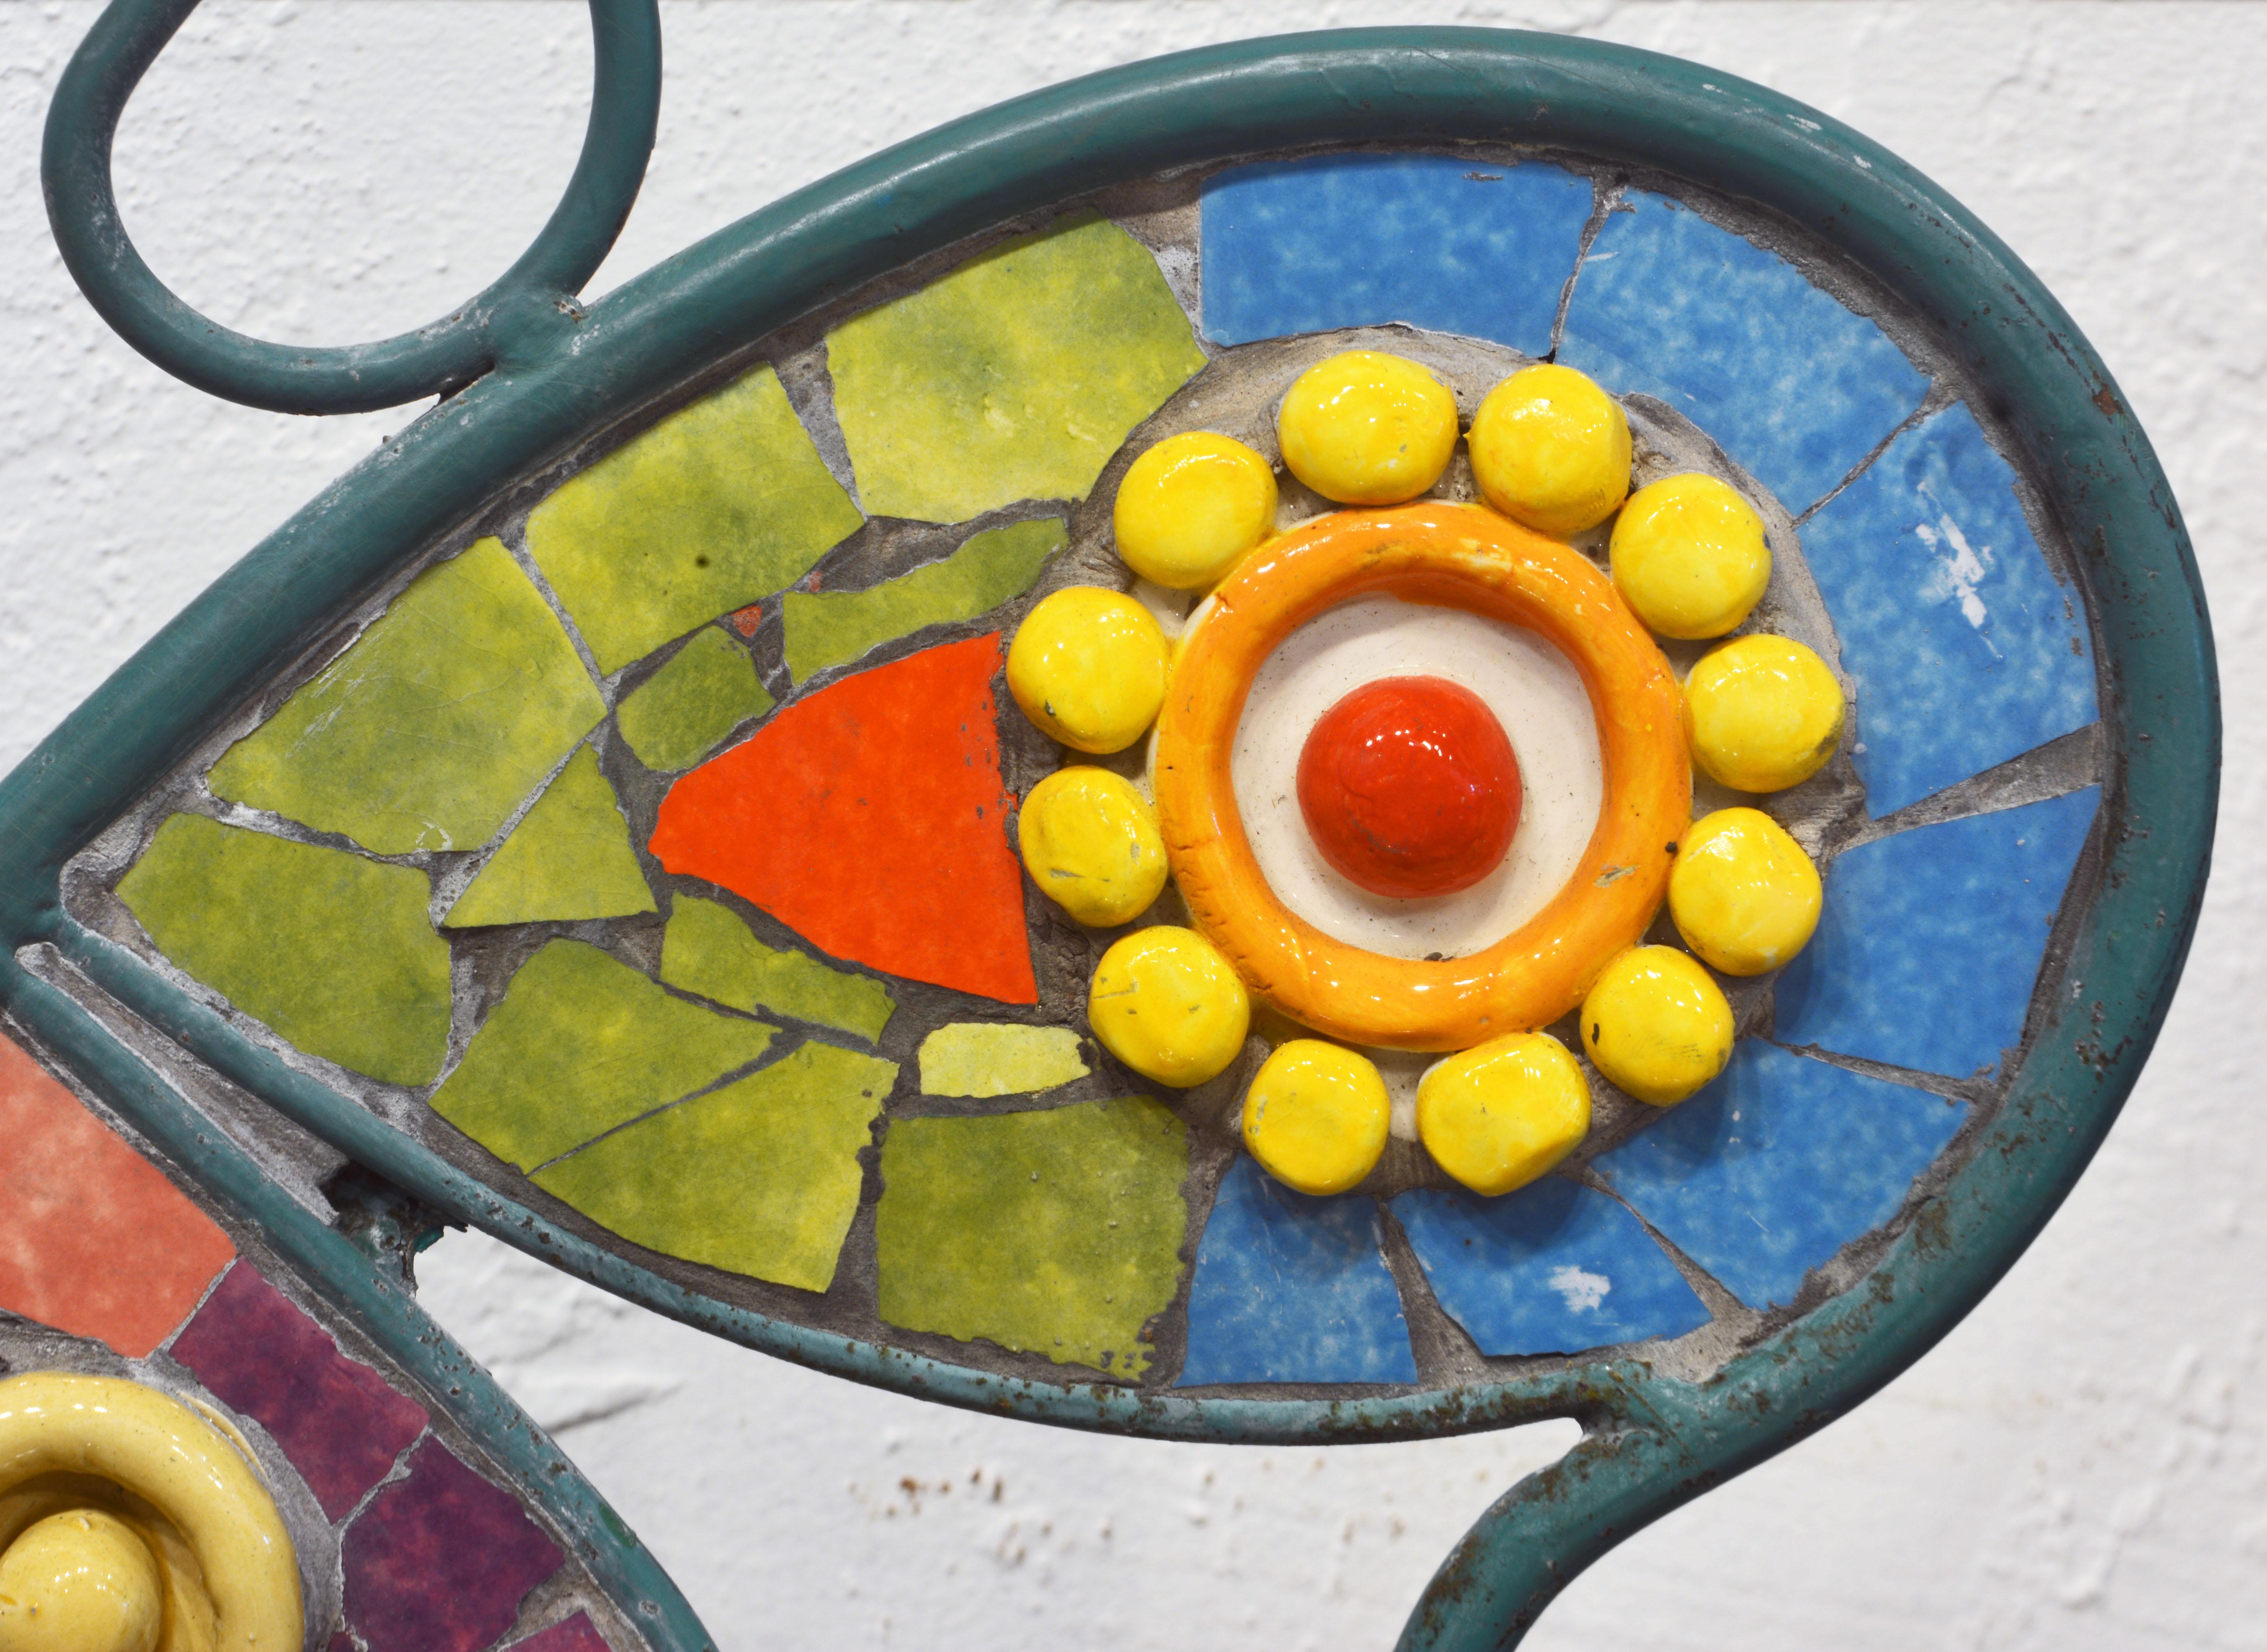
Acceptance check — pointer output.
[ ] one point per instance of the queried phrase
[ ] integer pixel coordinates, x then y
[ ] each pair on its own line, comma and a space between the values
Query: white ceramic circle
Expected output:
1537, 696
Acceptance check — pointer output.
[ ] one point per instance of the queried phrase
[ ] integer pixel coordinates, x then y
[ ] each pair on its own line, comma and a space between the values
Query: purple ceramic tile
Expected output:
337, 1421
342, 1643
577, 1633
440, 1561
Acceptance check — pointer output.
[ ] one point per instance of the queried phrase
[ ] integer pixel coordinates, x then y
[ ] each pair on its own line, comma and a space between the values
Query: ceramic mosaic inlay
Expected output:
403, 1535
774, 850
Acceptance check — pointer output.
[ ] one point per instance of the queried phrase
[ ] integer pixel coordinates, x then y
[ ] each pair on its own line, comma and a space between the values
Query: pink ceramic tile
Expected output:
93, 1239
440, 1561
337, 1421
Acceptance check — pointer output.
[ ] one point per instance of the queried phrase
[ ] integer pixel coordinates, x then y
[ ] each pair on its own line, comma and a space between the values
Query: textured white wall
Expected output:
2081, 1465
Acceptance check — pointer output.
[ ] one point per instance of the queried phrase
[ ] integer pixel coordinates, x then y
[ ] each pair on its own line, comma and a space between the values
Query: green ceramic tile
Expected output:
334, 951
430, 731
568, 858
721, 503
708, 689
707, 950
759, 1178
833, 626
972, 1058
1055, 1233
580, 1044
1015, 376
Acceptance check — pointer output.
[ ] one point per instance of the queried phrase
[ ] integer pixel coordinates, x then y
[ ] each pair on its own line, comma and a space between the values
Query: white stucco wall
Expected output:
2081, 1465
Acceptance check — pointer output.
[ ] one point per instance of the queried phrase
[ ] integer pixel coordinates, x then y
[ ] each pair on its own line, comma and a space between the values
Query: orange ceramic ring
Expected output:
1462, 557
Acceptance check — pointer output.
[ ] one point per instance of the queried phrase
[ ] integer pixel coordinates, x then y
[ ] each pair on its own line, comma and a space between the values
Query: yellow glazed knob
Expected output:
1762, 714
82, 1581
1743, 894
1191, 508
1368, 429
1165, 1002
1657, 1025
1550, 450
149, 1484
1087, 666
1689, 555
1316, 1116
1497, 1116
1090, 842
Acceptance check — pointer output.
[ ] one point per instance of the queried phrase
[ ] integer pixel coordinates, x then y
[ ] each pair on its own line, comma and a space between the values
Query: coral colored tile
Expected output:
871, 817
93, 1239
337, 1421
744, 621
577, 1633
441, 1561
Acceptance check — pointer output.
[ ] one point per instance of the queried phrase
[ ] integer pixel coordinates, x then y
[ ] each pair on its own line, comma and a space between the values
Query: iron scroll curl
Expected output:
510, 317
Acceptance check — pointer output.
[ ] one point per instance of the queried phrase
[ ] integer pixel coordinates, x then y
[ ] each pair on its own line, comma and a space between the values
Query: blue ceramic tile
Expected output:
1555, 1268
1964, 648
1777, 1164
1930, 941
1293, 1290
1793, 386
1355, 240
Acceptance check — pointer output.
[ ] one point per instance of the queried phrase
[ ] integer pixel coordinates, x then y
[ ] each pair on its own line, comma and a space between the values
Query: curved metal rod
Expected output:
513, 319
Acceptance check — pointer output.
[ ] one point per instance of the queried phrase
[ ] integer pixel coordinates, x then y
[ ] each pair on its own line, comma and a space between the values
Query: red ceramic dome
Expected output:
1409, 787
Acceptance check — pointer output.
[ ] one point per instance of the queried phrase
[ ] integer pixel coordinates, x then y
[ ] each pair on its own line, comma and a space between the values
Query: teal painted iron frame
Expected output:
529, 370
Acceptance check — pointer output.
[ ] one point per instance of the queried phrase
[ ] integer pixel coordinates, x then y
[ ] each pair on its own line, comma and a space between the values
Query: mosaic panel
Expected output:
775, 776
